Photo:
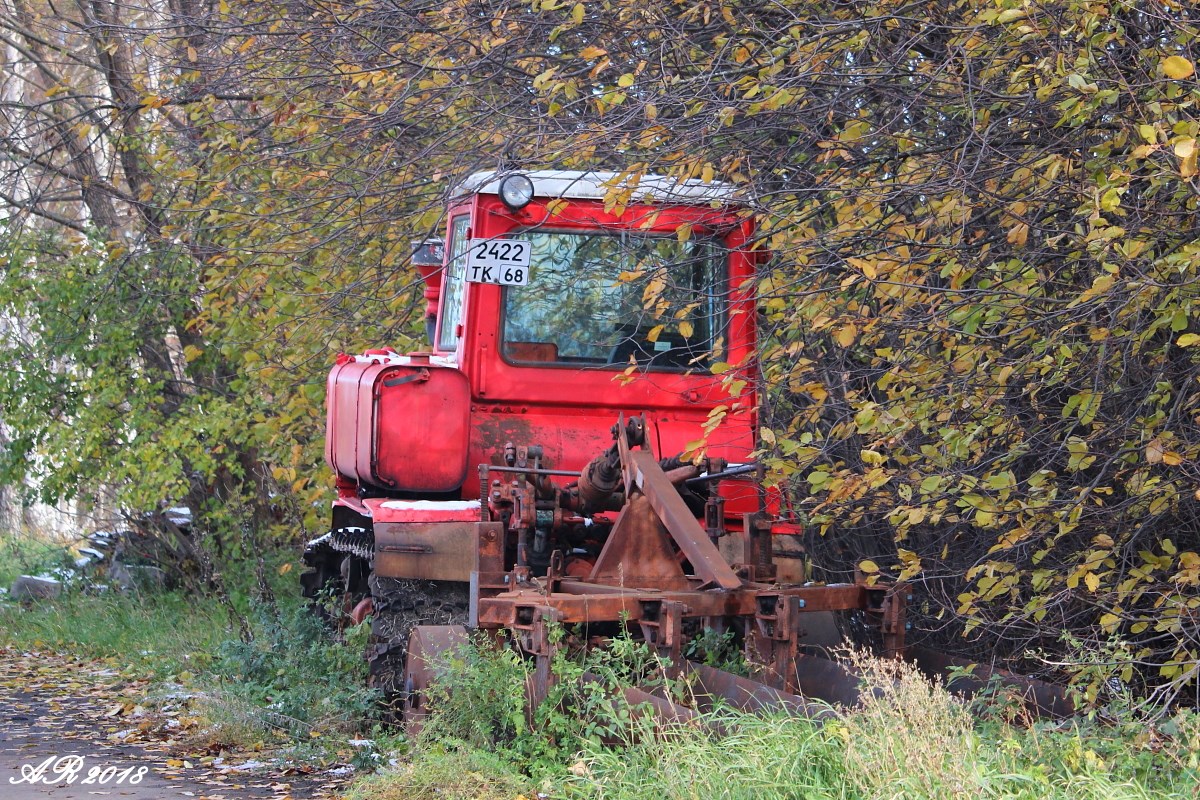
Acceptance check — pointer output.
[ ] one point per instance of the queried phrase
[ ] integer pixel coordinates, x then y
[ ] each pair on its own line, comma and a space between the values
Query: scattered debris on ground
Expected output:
53, 706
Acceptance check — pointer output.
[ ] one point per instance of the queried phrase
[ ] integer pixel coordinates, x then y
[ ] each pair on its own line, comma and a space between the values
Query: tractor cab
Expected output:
568, 297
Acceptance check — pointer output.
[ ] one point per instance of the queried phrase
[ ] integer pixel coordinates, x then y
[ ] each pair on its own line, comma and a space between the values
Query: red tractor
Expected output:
590, 335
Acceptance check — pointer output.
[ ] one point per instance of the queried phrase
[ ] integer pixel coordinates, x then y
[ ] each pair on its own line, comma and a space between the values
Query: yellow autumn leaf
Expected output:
846, 335
1188, 340
1187, 166
590, 52
1018, 235
868, 566
872, 458
577, 13
685, 329
1171, 458
1154, 452
1177, 68
1092, 580
1185, 147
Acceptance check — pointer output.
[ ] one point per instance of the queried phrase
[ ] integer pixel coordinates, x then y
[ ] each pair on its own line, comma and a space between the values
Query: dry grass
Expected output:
910, 738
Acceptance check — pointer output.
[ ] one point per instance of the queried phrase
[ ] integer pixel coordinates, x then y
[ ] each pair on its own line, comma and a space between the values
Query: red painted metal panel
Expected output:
341, 417
401, 426
422, 429
572, 435
566, 409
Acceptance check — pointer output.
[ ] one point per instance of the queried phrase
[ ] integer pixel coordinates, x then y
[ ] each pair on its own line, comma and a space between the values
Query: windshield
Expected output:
616, 301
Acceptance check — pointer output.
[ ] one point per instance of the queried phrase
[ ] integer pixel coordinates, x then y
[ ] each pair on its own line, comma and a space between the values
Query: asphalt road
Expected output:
65, 735
40, 751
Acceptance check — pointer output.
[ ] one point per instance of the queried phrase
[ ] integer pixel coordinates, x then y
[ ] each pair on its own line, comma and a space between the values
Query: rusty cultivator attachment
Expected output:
659, 577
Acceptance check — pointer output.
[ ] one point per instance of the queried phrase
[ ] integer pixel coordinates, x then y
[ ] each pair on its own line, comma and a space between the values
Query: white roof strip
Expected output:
573, 185
432, 505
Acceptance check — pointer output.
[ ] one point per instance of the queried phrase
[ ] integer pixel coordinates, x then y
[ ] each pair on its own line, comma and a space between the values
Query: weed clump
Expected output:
480, 702
292, 677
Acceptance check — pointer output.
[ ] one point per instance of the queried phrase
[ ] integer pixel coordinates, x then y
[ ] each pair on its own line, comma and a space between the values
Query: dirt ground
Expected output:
74, 730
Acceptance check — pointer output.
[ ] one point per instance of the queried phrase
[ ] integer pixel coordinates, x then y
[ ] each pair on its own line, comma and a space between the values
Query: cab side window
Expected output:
453, 285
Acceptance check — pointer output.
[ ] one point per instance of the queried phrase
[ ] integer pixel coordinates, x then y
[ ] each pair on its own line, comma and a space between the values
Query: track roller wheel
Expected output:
426, 645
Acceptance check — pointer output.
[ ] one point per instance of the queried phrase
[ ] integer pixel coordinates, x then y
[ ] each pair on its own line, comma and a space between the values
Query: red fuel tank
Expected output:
398, 423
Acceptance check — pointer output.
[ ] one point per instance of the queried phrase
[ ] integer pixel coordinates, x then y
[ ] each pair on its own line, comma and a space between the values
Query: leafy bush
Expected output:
295, 677
479, 701
480, 698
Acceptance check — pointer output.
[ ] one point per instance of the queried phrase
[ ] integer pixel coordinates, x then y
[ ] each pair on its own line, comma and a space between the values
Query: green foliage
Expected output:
23, 553
479, 701
718, 650
295, 677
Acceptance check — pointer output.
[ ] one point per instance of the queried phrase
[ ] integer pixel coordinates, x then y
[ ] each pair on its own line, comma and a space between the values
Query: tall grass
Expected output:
157, 634
910, 740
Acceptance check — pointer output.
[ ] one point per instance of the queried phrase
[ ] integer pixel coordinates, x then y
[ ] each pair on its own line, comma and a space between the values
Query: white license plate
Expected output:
503, 261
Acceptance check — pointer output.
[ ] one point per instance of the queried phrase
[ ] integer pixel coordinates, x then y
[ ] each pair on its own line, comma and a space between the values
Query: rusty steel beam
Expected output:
705, 558
581, 602
827, 680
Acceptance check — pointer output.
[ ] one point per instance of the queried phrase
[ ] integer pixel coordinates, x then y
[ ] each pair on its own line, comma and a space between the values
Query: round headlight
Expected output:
516, 191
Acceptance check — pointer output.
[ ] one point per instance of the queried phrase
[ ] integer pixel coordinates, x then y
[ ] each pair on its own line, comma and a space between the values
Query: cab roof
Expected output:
575, 185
